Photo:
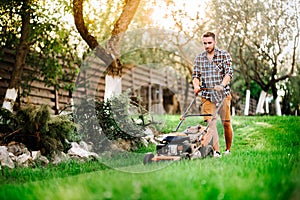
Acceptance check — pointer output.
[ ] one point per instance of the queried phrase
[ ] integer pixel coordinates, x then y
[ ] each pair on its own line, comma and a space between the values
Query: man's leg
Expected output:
212, 133
228, 134
226, 121
215, 135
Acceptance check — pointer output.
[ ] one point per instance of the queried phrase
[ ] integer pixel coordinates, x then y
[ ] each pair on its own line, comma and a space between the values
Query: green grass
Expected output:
264, 164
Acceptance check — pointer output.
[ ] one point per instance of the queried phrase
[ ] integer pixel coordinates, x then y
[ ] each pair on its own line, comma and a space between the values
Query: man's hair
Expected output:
209, 34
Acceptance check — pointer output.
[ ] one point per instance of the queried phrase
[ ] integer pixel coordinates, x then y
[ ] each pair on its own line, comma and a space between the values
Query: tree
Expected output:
263, 38
110, 54
21, 52
39, 40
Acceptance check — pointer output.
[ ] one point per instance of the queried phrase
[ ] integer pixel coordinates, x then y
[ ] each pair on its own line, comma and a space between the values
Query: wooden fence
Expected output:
57, 99
162, 90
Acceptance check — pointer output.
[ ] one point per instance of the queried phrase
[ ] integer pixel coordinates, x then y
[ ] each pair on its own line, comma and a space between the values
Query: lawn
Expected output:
264, 164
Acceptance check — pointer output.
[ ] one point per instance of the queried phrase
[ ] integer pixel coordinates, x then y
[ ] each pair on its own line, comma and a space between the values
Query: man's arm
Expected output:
228, 72
226, 80
196, 84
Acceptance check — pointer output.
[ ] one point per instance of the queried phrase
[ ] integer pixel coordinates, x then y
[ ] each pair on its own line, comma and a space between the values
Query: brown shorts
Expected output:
210, 108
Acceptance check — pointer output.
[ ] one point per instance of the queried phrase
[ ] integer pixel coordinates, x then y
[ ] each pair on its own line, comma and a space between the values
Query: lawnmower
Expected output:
189, 144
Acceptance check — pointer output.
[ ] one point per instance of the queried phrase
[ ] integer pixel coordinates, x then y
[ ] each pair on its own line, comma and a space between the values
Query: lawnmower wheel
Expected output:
148, 158
185, 156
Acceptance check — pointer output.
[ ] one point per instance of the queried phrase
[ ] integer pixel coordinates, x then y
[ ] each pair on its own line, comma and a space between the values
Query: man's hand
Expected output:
219, 88
197, 90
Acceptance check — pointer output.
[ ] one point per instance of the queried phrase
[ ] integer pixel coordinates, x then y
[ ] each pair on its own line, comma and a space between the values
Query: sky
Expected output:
191, 7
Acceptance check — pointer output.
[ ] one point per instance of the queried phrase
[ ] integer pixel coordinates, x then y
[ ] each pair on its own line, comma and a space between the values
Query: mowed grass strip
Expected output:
264, 164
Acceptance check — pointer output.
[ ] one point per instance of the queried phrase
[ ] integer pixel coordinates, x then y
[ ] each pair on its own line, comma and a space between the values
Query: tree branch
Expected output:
83, 31
120, 27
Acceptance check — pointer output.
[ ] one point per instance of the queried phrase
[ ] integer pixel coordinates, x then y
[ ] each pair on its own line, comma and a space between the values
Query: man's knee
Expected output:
226, 124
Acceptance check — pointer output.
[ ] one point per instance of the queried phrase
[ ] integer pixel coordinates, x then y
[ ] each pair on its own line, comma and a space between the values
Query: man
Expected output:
213, 69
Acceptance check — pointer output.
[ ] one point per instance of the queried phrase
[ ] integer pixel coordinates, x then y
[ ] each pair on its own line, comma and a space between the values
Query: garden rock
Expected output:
16, 148
81, 151
17, 154
149, 138
85, 146
59, 157
24, 160
35, 155
38, 157
5, 158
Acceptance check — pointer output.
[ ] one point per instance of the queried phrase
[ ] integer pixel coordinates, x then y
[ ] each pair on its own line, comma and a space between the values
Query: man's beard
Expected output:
210, 50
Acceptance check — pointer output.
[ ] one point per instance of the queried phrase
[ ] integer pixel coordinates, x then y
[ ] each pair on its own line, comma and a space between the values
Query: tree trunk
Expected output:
21, 52
277, 106
247, 103
260, 105
113, 79
277, 99
267, 105
10, 98
113, 86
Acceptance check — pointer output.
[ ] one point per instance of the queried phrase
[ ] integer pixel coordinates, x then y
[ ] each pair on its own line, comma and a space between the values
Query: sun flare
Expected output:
165, 15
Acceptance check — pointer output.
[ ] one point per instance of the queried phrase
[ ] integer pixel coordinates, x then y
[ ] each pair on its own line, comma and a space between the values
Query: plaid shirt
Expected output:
212, 73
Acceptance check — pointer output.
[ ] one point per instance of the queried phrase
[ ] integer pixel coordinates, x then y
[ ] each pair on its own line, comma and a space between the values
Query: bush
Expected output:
116, 118
34, 127
8, 122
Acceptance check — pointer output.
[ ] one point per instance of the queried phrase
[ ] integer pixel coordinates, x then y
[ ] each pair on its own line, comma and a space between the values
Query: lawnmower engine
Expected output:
174, 145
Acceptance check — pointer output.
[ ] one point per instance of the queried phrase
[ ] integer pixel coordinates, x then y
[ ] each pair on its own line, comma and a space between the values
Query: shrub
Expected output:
116, 118
34, 127
103, 122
